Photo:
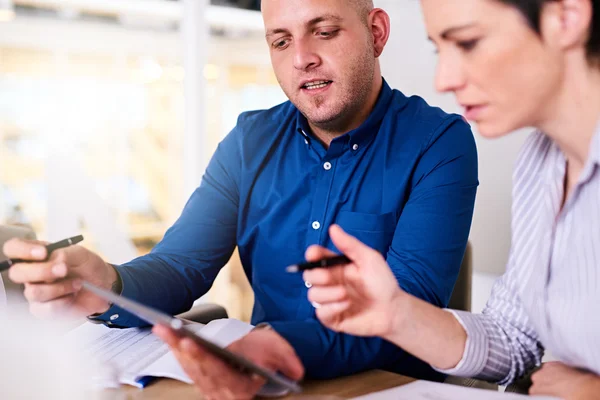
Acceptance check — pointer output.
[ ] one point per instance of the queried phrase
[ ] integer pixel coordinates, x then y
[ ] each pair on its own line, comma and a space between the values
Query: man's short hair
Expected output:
363, 8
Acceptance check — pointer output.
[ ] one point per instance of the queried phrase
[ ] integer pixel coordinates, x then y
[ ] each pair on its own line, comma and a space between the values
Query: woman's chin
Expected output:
492, 130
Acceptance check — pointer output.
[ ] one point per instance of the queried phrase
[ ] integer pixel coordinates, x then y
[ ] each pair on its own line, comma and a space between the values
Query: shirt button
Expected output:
355, 147
327, 166
308, 284
316, 225
114, 316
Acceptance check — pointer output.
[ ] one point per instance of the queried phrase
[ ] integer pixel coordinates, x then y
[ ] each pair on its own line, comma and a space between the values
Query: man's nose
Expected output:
305, 57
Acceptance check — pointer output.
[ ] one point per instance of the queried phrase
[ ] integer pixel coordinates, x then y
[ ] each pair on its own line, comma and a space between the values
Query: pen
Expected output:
324, 263
49, 249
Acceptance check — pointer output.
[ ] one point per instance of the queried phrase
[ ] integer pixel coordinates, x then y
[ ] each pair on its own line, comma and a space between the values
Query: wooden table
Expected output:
342, 388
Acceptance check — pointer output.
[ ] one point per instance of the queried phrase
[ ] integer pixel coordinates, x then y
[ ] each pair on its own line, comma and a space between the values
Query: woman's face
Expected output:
499, 69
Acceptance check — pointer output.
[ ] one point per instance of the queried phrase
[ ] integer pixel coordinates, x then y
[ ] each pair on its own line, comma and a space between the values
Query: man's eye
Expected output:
279, 44
327, 34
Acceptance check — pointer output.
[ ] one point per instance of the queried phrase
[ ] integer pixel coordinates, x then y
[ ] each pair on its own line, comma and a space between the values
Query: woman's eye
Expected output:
467, 45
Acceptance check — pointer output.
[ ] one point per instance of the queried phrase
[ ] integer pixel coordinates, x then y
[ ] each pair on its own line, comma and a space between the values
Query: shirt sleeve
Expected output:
501, 343
425, 256
432, 233
183, 266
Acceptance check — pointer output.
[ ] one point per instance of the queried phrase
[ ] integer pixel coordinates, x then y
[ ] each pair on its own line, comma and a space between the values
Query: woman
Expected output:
511, 64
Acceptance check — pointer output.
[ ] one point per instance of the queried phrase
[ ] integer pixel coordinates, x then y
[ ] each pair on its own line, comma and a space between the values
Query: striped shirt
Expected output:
549, 296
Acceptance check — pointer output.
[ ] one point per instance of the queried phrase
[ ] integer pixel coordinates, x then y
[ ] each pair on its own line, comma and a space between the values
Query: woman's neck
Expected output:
572, 117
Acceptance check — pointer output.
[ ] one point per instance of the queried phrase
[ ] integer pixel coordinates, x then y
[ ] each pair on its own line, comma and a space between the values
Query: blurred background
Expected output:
110, 110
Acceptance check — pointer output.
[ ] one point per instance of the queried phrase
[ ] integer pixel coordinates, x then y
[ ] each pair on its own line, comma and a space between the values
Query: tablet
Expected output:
155, 317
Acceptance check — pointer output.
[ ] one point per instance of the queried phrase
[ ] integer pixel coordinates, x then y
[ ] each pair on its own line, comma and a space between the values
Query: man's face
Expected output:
323, 55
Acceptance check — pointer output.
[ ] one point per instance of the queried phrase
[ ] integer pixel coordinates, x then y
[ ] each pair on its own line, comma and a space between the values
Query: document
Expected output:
133, 354
424, 390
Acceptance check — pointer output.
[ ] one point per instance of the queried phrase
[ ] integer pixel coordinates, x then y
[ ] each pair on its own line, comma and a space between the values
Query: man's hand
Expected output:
557, 379
53, 287
216, 379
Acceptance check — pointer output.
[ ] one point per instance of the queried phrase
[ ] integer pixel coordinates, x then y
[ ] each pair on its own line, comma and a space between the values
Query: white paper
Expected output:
423, 390
134, 353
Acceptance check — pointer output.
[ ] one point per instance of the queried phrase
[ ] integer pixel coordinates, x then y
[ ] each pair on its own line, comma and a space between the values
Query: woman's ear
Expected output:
566, 24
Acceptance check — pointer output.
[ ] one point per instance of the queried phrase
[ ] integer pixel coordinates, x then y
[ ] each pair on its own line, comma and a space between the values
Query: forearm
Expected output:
158, 283
427, 332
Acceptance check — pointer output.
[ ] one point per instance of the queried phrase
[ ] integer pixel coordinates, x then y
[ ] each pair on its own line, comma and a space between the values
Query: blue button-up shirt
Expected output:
404, 182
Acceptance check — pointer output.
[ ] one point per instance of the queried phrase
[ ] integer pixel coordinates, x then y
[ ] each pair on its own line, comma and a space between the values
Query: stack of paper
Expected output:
134, 354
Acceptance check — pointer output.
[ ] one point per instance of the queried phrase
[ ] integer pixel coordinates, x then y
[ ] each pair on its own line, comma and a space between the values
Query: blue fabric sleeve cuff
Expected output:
116, 317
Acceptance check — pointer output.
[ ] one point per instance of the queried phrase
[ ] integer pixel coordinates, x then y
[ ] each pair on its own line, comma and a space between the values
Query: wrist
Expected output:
113, 283
398, 313
113, 280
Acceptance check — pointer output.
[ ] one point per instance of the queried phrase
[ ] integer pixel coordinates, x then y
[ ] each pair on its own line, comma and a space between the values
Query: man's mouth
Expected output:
316, 85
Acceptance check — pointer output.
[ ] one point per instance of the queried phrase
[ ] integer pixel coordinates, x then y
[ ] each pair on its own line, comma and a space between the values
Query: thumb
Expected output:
290, 366
354, 249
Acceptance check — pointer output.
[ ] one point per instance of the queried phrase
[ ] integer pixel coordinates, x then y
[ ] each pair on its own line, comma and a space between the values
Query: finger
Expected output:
316, 253
542, 377
195, 350
283, 358
168, 336
44, 292
329, 294
352, 247
539, 389
332, 312
37, 272
217, 375
325, 276
25, 249
291, 367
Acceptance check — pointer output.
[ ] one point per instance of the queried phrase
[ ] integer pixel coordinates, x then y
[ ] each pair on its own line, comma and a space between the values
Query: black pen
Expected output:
324, 263
49, 249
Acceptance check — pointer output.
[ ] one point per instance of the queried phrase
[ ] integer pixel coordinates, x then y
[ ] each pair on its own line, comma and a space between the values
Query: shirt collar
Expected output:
558, 170
593, 157
357, 138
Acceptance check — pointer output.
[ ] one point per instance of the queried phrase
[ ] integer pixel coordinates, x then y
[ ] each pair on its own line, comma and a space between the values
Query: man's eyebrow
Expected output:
324, 18
272, 32
314, 21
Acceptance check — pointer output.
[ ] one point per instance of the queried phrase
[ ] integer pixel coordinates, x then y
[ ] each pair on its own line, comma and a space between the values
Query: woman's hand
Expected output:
568, 383
361, 298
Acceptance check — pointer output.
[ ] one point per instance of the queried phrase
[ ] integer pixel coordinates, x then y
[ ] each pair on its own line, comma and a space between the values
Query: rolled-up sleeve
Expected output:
501, 343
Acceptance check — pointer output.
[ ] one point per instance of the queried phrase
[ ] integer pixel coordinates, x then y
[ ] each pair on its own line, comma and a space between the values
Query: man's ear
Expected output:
566, 24
379, 23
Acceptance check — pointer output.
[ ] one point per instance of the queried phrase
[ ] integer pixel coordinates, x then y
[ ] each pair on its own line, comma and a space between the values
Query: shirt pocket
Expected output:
374, 230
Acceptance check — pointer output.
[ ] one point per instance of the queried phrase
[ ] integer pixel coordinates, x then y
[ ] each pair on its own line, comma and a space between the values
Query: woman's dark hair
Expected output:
532, 9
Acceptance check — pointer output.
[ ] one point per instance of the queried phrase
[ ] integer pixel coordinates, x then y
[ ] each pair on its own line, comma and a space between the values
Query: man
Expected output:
396, 173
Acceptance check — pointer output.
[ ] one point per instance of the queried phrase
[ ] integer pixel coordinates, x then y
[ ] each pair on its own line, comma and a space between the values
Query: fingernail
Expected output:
59, 270
77, 285
38, 252
315, 304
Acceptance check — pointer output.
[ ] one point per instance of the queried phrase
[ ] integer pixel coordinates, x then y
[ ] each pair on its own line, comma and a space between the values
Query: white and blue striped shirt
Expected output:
549, 296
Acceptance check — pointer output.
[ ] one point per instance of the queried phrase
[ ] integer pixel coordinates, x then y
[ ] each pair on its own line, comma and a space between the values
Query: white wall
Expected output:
409, 65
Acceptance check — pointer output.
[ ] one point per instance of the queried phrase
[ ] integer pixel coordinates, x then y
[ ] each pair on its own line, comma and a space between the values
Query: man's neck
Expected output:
327, 133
